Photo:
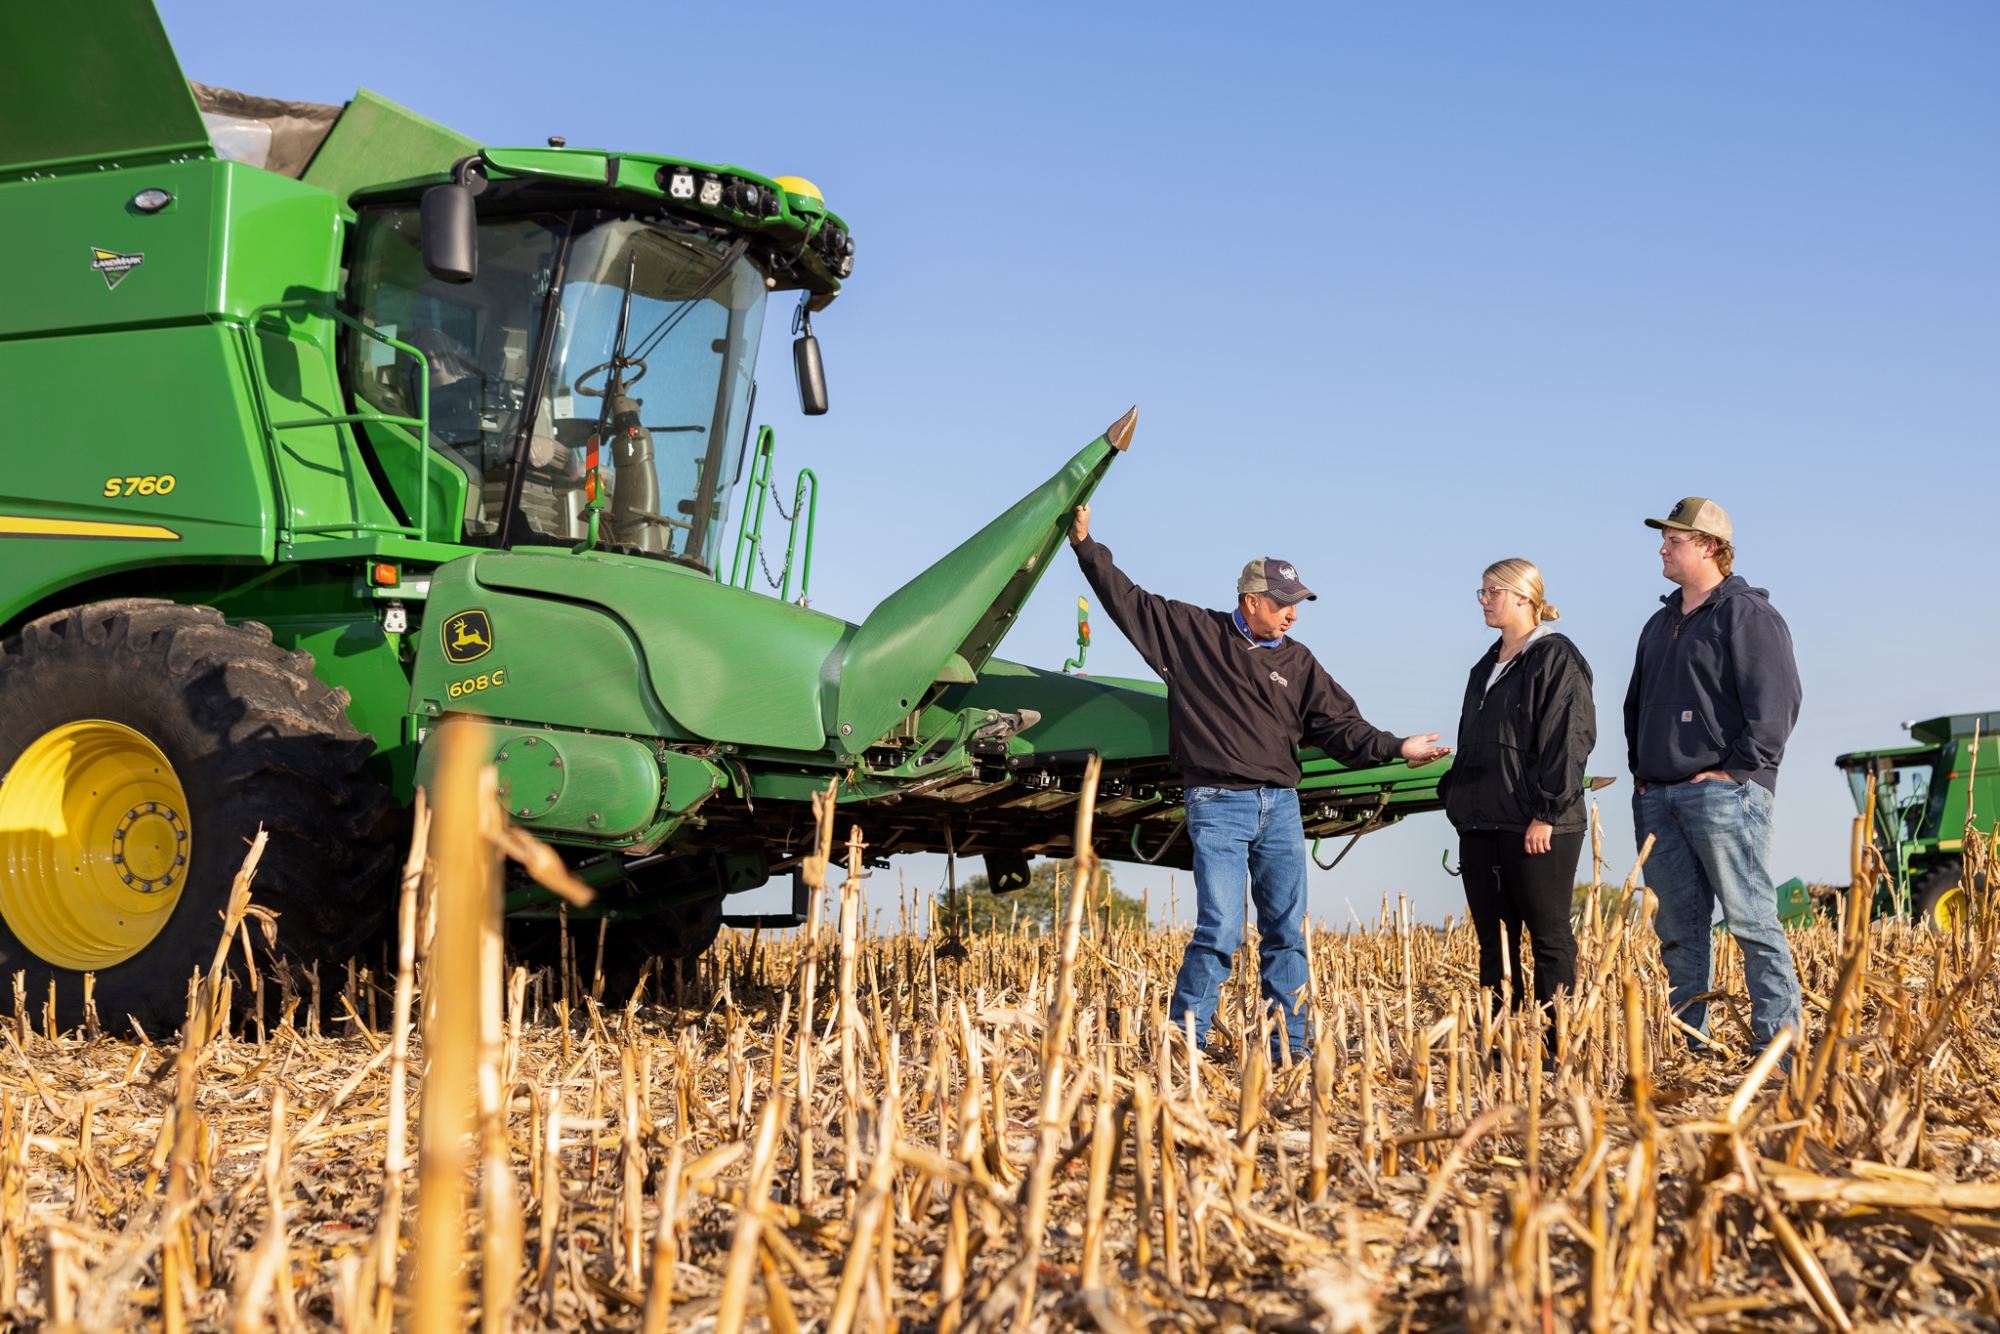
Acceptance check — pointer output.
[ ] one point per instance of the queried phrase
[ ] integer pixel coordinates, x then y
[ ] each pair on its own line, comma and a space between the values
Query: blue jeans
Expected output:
1713, 841
1256, 832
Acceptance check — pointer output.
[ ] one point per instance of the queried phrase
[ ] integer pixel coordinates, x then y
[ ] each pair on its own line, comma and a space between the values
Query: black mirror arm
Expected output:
806, 363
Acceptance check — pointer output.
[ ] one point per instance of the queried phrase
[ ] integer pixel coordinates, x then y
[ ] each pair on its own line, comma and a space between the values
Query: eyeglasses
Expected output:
1488, 594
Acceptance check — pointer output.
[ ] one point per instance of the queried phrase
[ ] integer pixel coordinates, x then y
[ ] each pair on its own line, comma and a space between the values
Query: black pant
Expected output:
1505, 888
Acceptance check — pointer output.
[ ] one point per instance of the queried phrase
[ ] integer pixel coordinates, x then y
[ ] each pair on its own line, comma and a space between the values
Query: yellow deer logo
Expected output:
467, 636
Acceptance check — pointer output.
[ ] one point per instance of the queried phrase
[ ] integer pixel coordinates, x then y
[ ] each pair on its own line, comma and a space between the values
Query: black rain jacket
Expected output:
1717, 688
1522, 745
1235, 713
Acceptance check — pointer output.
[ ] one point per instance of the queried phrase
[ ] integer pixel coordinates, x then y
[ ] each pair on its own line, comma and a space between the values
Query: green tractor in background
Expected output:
330, 422
1916, 803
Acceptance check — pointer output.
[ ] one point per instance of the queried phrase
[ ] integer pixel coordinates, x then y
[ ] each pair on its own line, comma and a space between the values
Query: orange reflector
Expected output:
384, 575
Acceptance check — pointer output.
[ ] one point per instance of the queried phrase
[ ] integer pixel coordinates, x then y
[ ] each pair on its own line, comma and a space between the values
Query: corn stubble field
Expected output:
847, 1132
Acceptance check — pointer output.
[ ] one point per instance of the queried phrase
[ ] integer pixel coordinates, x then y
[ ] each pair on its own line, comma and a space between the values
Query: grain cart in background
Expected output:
1914, 802
328, 422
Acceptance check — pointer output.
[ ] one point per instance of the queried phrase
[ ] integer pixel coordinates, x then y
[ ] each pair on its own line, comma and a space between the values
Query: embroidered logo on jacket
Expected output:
1279, 679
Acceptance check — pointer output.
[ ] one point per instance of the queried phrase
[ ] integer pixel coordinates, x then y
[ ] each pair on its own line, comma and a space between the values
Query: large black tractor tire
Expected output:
247, 737
1938, 897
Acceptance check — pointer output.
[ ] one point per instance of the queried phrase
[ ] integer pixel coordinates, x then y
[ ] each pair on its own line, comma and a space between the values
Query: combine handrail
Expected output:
750, 533
421, 423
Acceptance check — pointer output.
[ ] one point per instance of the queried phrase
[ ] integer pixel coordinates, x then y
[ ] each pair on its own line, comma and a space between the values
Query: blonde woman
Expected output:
1516, 792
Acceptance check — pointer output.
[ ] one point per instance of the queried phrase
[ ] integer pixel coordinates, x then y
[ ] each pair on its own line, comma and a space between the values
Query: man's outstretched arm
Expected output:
1333, 722
1144, 618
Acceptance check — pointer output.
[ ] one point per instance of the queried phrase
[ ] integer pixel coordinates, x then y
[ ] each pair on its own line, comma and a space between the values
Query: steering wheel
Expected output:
577, 384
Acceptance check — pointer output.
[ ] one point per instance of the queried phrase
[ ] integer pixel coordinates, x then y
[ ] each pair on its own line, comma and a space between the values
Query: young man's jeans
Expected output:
1255, 831
1713, 841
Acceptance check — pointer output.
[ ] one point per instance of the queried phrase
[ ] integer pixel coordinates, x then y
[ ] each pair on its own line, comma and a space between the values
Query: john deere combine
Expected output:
1916, 804
329, 422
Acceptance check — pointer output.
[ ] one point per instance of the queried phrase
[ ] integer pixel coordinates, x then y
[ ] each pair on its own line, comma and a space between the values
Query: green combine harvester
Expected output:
1913, 803
331, 422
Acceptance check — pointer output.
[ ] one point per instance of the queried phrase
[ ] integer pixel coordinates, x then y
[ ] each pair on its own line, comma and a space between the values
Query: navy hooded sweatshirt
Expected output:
1716, 688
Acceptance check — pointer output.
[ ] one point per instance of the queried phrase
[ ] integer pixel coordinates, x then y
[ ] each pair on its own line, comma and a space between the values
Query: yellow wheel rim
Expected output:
1949, 910
94, 844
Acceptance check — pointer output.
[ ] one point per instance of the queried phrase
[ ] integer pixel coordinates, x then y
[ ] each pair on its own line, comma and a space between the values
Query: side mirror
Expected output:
450, 234
812, 375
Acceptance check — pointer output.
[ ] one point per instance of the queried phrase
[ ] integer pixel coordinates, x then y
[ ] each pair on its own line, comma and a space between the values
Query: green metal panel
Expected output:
55, 226
85, 83
568, 782
963, 604
1132, 683
400, 458
690, 779
1795, 905
279, 242
377, 142
372, 546
233, 238
160, 392
1078, 713
1963, 781
555, 662
83, 410
1935, 730
582, 165
728, 665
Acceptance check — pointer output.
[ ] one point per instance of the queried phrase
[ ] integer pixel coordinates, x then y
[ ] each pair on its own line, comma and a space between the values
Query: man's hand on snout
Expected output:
1419, 750
1079, 527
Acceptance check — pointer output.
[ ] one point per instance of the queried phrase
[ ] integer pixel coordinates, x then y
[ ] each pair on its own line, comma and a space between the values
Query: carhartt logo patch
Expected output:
113, 265
1687, 715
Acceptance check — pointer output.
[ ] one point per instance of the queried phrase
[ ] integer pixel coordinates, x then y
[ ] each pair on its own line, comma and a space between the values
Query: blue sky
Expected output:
1399, 290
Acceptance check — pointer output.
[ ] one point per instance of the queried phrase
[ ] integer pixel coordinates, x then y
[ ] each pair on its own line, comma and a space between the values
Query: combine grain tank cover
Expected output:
84, 84
265, 132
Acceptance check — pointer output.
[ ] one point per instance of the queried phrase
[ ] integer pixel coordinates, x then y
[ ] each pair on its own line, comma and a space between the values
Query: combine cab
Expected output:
331, 422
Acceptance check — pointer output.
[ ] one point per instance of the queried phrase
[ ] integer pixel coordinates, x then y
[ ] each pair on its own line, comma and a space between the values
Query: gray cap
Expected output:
1269, 577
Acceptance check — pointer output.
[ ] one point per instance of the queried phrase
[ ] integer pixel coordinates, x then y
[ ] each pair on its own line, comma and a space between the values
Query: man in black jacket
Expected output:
1714, 695
1240, 698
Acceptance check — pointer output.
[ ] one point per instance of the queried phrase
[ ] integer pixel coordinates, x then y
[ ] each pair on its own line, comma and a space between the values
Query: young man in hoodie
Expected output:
1240, 699
1714, 694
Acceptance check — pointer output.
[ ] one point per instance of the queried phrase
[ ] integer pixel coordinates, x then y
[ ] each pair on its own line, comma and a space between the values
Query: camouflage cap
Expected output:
1696, 514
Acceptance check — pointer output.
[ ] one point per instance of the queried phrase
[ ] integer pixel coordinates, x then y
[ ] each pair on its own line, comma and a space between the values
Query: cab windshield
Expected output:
669, 443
